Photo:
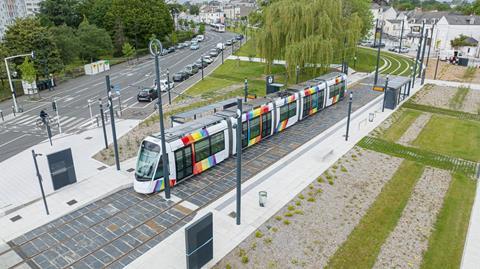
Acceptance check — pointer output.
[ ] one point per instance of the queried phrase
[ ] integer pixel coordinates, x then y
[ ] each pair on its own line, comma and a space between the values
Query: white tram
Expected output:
196, 146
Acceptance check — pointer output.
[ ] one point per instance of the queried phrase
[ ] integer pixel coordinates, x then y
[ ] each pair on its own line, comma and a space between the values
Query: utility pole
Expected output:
436, 67
112, 121
428, 54
168, 85
40, 180
296, 74
422, 68
14, 95
385, 94
349, 112
55, 108
103, 123
378, 53
156, 47
344, 53
201, 62
401, 36
223, 48
239, 159
245, 89
375, 34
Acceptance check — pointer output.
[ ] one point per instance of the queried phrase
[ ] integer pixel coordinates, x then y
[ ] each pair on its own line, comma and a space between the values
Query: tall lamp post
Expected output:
14, 95
156, 47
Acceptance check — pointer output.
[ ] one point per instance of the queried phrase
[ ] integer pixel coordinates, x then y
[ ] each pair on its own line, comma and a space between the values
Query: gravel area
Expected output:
311, 227
437, 96
447, 71
414, 130
472, 102
405, 245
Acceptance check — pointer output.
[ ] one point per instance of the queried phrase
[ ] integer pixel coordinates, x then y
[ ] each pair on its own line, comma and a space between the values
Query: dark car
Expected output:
180, 76
147, 94
376, 45
171, 49
213, 52
239, 37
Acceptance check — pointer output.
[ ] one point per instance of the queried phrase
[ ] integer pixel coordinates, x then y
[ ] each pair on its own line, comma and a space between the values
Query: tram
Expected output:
197, 145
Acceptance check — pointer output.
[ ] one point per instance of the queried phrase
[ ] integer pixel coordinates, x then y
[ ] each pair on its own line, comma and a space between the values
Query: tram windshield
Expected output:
147, 159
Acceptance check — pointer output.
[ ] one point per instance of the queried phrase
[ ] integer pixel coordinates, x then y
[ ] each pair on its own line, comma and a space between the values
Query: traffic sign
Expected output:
116, 88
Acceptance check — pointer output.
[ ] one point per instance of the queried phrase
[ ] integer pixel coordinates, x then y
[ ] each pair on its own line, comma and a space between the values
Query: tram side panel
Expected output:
286, 112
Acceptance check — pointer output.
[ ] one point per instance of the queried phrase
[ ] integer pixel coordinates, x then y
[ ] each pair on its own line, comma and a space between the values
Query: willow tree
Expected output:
308, 33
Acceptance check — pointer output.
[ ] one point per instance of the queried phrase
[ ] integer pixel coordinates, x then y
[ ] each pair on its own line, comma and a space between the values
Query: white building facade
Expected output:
9, 11
33, 6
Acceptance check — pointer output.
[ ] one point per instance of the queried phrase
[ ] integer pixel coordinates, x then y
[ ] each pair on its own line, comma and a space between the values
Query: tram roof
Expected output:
181, 130
208, 108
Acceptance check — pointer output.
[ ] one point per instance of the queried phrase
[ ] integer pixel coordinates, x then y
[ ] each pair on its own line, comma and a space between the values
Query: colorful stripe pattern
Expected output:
256, 113
283, 124
310, 91
159, 186
195, 136
204, 165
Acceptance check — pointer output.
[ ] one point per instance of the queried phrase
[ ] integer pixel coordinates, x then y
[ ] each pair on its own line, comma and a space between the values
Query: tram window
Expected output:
159, 172
244, 134
183, 162
321, 96
254, 127
217, 142
314, 100
202, 149
292, 109
306, 105
283, 112
266, 124
331, 91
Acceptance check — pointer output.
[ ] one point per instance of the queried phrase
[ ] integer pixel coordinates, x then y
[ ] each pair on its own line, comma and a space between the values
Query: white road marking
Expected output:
64, 122
4, 144
96, 84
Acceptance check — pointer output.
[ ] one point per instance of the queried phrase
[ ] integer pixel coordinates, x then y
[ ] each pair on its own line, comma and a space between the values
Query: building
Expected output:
9, 11
33, 6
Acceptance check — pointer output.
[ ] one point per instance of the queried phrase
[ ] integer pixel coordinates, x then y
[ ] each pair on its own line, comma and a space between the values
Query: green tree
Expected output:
140, 18
95, 41
58, 12
26, 35
201, 28
460, 41
95, 11
67, 43
28, 70
128, 50
3, 55
304, 32
174, 38
194, 10
192, 24
119, 38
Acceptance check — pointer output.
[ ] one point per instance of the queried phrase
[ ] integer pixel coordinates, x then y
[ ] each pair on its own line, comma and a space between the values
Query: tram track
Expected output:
29, 260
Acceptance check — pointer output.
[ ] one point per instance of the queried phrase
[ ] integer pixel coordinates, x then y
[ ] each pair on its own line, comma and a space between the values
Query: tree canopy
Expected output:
461, 41
95, 41
67, 42
58, 12
26, 35
310, 31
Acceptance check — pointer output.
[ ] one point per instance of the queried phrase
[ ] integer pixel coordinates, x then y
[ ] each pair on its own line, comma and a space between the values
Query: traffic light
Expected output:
54, 106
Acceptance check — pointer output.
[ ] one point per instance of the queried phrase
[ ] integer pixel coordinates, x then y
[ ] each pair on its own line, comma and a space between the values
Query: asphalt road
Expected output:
20, 132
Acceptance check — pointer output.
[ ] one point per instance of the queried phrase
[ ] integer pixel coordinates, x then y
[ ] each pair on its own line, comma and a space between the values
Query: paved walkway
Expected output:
472, 86
132, 223
283, 180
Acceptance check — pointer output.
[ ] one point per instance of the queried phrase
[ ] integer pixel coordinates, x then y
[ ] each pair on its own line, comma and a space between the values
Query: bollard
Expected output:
1, 114
13, 109
262, 198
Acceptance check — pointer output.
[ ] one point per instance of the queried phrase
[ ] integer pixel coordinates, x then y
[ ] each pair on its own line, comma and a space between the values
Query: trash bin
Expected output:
262, 198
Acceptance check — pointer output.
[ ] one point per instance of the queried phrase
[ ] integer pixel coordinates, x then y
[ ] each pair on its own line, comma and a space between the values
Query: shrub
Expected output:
311, 199
244, 259
241, 252
258, 234
291, 207
288, 214
279, 218
228, 266
320, 179
299, 212
343, 169
267, 240
301, 196
298, 203
286, 222
274, 229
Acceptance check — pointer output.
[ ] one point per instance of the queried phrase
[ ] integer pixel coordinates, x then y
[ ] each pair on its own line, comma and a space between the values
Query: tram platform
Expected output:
126, 228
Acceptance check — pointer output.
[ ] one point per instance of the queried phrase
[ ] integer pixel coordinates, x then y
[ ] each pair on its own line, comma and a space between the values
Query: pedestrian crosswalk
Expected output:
67, 123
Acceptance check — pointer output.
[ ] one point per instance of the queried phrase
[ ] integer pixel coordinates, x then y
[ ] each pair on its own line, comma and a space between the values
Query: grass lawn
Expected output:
451, 136
446, 243
398, 128
457, 100
362, 246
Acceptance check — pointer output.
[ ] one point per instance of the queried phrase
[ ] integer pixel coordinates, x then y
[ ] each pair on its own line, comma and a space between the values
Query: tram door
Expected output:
183, 162
306, 106
321, 99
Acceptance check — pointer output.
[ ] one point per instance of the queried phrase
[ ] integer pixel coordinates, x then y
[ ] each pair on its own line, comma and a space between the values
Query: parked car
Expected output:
200, 38
220, 46
207, 59
147, 94
187, 43
228, 43
198, 63
164, 52
180, 76
179, 46
213, 53
191, 69
239, 37
194, 46
381, 45
366, 43
171, 49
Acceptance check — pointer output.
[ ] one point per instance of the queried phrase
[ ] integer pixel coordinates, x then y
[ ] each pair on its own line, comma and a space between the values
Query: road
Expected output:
75, 115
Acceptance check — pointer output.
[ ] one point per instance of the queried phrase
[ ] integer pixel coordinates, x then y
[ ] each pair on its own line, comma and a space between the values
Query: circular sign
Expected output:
155, 47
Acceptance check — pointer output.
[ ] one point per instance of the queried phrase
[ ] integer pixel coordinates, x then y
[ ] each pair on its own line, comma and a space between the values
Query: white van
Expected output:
163, 85
220, 46
200, 38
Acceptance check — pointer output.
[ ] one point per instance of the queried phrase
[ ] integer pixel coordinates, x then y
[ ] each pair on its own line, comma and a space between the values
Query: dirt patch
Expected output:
311, 227
129, 143
450, 72
433, 95
471, 104
405, 245
414, 130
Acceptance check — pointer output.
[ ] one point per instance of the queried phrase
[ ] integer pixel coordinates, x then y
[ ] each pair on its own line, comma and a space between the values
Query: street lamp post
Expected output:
245, 89
168, 85
385, 94
349, 112
103, 123
14, 95
201, 63
112, 121
436, 67
40, 180
379, 44
296, 74
239, 159
155, 47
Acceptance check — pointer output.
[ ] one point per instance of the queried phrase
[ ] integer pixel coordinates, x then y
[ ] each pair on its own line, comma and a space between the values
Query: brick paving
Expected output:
115, 230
